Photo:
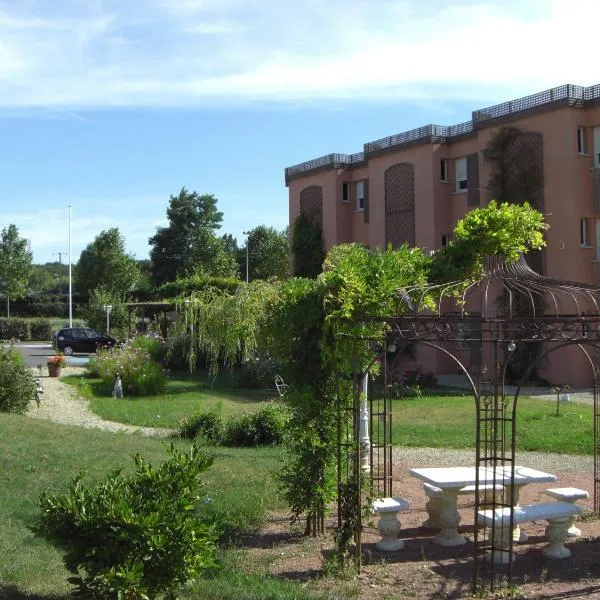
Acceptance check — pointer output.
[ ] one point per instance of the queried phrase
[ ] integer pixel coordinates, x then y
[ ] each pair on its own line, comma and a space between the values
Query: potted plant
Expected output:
55, 364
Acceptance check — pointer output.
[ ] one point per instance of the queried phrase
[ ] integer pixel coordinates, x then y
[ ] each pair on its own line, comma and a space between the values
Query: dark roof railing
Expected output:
567, 95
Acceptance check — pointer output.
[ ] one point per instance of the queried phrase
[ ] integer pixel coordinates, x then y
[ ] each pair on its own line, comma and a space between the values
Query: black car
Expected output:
81, 339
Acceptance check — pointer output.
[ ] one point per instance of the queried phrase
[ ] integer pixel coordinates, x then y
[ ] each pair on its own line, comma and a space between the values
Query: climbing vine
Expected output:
321, 332
307, 247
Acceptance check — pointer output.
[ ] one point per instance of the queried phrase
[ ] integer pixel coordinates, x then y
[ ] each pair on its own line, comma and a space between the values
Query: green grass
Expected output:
38, 456
186, 396
449, 422
430, 421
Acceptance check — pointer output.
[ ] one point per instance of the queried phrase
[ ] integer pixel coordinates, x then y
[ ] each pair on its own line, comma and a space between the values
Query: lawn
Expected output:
186, 395
449, 422
39, 455
430, 421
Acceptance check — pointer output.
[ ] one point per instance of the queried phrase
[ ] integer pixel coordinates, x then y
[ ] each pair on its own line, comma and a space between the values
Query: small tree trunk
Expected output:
308, 523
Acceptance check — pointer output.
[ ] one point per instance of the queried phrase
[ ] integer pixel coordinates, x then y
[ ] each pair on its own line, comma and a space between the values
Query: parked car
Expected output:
81, 339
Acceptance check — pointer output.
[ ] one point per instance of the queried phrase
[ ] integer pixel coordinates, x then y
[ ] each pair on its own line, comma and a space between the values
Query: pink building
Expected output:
413, 187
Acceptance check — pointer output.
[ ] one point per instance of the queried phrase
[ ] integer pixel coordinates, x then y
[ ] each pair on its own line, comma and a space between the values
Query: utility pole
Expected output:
247, 234
60, 255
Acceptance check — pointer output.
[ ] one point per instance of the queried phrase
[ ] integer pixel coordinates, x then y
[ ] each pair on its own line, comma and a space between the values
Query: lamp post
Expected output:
247, 234
107, 308
187, 303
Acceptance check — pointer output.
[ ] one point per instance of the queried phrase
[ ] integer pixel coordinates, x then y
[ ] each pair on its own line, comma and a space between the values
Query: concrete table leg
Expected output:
449, 520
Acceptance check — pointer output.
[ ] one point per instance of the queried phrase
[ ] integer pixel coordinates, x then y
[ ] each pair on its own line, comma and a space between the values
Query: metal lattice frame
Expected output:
311, 203
571, 318
400, 205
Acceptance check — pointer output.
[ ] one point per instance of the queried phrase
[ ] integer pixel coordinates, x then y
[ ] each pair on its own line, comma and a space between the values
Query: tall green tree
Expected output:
15, 264
268, 253
105, 263
189, 243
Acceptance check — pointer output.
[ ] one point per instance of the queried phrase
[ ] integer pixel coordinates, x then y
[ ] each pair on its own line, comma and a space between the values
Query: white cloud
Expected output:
185, 52
48, 229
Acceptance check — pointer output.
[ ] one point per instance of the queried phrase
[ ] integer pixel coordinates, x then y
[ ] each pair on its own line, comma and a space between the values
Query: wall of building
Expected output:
568, 197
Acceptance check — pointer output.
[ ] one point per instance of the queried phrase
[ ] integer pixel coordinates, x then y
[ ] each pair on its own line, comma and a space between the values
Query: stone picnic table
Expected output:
450, 480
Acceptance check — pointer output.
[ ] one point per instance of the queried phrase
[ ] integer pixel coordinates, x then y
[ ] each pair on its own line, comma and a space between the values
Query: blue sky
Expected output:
113, 105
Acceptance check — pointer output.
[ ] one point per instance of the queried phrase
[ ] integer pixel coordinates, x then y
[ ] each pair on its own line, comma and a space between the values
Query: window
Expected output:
360, 195
460, 170
584, 237
345, 192
581, 140
445, 240
444, 169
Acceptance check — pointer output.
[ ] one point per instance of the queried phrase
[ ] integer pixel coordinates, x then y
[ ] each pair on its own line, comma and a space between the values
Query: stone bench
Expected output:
569, 495
435, 505
558, 514
389, 524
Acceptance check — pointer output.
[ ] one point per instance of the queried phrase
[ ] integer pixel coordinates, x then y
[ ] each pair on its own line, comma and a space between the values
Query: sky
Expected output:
111, 106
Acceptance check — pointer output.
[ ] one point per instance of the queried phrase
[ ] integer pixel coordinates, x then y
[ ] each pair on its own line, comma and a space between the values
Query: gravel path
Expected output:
61, 404
447, 457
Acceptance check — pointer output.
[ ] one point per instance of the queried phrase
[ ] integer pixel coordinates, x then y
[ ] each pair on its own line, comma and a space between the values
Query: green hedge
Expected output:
16, 328
47, 305
196, 284
41, 329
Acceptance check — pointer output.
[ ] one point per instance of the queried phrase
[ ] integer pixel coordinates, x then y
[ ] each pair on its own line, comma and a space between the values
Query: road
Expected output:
36, 354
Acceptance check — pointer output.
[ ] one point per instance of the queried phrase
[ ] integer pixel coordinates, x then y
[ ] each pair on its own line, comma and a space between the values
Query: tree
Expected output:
230, 244
49, 277
15, 264
105, 263
307, 247
188, 244
268, 253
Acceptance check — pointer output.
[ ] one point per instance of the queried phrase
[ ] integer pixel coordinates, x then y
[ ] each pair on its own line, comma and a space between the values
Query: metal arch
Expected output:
454, 358
596, 394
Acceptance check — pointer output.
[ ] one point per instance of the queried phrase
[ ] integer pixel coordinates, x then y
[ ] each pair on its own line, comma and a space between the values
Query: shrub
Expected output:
151, 344
265, 427
17, 384
134, 536
14, 329
140, 374
208, 425
41, 329
258, 372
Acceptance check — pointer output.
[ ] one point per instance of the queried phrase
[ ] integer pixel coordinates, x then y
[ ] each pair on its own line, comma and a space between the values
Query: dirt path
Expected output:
61, 404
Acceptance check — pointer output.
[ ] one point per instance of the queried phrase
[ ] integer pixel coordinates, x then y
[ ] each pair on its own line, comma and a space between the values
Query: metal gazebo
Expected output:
503, 326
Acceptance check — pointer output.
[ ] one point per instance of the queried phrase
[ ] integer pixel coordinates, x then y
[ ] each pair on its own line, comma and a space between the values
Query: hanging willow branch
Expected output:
224, 328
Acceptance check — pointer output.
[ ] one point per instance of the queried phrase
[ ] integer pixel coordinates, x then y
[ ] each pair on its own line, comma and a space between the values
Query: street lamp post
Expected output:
190, 328
107, 308
247, 234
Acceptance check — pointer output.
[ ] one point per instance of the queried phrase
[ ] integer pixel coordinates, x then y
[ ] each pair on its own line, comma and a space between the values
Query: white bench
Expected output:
569, 495
558, 514
389, 525
435, 494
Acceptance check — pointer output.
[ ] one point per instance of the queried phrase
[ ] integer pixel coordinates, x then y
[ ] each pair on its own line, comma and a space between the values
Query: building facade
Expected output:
414, 186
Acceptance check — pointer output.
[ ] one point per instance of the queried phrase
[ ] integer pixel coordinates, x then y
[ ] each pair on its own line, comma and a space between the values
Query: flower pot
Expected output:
54, 370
